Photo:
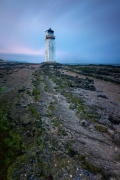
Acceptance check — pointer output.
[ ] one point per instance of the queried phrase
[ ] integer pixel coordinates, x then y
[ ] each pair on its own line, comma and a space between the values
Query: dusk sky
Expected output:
86, 31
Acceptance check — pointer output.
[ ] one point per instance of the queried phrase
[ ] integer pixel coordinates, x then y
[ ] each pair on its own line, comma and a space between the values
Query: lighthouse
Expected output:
49, 46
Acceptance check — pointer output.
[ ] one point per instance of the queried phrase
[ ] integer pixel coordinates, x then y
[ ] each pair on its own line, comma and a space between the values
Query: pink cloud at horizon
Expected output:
22, 50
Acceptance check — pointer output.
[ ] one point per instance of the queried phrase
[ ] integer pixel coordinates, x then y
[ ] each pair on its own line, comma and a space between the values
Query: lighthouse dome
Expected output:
49, 32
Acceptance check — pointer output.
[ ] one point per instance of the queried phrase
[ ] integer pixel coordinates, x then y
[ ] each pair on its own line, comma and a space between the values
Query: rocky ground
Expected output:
59, 123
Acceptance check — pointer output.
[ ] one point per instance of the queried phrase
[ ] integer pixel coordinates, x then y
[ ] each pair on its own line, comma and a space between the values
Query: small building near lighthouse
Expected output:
50, 46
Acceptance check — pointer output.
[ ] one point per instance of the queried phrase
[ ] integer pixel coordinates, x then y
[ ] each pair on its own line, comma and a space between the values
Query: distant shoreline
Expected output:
66, 64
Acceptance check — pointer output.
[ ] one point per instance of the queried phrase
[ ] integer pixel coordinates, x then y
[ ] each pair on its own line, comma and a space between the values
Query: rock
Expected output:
17, 175
26, 122
49, 177
91, 126
102, 96
117, 138
84, 123
30, 176
73, 85
72, 106
110, 132
12, 125
38, 152
68, 100
31, 133
114, 119
112, 178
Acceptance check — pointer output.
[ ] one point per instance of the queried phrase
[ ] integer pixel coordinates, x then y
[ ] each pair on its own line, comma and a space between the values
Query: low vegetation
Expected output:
101, 128
2, 89
10, 144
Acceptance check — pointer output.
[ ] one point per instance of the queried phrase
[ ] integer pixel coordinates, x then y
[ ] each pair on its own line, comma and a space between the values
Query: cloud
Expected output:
82, 27
22, 50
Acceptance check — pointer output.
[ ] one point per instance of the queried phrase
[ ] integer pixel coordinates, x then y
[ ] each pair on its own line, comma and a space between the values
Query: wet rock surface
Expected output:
69, 128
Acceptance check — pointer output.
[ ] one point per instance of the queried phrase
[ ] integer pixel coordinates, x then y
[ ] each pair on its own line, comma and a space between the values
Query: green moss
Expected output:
51, 107
91, 167
101, 128
71, 151
81, 107
13, 141
62, 132
81, 158
33, 111
36, 97
10, 145
35, 91
28, 92
2, 89
61, 87
56, 124
72, 106
42, 144
62, 163
13, 168
93, 115
4, 125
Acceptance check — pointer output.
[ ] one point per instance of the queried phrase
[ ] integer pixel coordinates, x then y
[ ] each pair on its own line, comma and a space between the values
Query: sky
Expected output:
86, 31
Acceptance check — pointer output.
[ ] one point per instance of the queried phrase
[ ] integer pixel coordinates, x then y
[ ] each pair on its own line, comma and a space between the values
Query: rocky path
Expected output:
60, 128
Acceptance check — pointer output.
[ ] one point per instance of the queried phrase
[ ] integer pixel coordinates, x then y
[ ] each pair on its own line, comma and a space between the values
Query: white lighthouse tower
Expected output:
49, 46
